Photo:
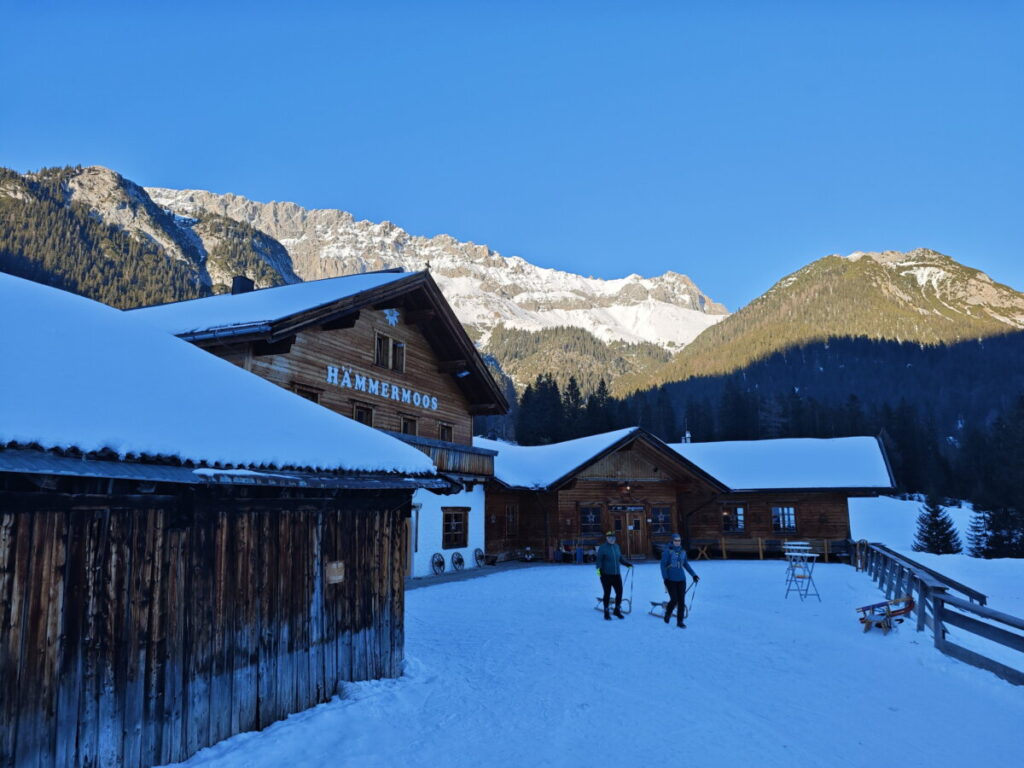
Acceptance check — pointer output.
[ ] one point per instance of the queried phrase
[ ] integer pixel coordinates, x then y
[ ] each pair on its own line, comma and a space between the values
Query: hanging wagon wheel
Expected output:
478, 555
457, 562
437, 562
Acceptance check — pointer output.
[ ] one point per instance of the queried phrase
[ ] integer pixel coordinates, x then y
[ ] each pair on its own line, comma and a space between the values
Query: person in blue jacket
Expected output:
609, 556
674, 566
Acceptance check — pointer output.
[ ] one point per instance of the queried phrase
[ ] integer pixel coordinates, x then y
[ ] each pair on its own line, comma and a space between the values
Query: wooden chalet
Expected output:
384, 349
186, 553
725, 498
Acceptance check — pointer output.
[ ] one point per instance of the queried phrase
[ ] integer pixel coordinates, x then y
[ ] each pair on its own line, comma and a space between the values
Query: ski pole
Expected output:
692, 588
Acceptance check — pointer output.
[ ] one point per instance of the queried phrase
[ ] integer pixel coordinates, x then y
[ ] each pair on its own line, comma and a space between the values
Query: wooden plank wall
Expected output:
819, 515
306, 364
135, 636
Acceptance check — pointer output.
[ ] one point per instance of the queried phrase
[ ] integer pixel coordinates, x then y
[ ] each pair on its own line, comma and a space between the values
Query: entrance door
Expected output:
628, 522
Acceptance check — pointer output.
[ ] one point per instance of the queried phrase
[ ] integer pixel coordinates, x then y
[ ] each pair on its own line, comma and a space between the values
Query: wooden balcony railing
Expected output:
454, 458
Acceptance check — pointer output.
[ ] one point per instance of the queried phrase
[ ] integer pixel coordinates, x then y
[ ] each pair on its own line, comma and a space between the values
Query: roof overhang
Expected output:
31, 462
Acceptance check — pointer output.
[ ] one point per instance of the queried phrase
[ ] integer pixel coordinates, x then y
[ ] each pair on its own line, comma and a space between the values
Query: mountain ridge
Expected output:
485, 288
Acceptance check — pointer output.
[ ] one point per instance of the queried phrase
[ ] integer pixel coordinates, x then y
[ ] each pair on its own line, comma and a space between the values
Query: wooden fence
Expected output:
937, 606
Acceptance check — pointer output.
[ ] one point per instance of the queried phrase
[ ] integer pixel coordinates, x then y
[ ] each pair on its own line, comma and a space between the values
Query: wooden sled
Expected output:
626, 606
885, 615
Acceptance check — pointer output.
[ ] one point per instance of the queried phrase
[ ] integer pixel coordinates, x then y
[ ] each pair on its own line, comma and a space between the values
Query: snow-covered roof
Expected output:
85, 376
841, 462
538, 466
263, 306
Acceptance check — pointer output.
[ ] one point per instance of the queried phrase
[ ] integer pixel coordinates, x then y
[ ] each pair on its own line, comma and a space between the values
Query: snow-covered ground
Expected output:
893, 522
516, 668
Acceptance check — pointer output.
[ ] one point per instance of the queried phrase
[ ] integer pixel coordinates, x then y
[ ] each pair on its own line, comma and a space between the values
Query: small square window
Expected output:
590, 522
307, 392
456, 520
408, 425
734, 519
363, 414
661, 520
784, 519
445, 432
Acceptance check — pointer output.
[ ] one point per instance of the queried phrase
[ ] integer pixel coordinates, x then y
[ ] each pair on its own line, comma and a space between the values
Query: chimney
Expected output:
241, 284
686, 437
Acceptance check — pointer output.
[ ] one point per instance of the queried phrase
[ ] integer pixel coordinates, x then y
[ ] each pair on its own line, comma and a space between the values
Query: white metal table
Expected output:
800, 569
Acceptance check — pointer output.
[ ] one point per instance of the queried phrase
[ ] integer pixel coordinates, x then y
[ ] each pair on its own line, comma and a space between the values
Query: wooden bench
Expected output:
882, 615
740, 545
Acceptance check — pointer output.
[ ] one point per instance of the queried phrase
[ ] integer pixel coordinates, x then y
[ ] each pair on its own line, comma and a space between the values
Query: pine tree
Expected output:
935, 531
977, 535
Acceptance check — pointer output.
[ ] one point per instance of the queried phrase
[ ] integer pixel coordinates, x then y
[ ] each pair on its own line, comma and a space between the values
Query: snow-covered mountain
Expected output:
484, 287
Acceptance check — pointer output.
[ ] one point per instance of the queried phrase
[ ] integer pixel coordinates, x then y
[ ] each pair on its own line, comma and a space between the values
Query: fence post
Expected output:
922, 598
937, 627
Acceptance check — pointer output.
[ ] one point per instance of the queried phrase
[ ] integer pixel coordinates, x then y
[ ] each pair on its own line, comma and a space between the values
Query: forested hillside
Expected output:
919, 296
92, 232
46, 238
566, 352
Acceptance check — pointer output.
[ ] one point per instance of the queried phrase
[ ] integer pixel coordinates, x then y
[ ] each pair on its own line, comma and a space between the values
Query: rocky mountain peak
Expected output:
485, 288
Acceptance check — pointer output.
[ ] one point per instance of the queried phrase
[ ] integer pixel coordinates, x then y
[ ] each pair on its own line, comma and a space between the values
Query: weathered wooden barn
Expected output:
384, 349
186, 551
740, 497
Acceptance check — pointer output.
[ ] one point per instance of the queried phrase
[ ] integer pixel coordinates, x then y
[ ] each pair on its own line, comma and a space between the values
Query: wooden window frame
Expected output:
595, 527
441, 426
737, 513
656, 524
776, 527
358, 405
403, 419
454, 527
511, 520
308, 392
391, 354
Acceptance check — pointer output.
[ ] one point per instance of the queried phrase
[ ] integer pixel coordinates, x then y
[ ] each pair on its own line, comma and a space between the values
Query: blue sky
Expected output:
734, 142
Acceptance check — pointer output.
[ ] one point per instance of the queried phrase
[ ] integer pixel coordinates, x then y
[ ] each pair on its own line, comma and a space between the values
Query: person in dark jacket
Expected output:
609, 556
674, 566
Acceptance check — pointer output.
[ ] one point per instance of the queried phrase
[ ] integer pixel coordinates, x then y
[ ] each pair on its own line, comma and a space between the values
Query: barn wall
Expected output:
136, 631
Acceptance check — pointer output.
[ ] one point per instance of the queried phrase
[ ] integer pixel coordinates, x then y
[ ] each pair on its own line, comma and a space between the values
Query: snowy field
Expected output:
517, 669
893, 522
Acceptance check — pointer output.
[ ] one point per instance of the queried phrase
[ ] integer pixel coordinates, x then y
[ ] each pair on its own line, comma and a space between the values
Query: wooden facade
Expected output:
644, 491
139, 627
317, 361
394, 357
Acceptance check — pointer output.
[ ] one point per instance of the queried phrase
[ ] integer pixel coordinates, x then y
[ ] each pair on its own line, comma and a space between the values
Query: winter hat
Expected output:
676, 536
610, 533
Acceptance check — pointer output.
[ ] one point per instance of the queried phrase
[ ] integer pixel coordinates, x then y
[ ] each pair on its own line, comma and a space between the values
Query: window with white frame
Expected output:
784, 519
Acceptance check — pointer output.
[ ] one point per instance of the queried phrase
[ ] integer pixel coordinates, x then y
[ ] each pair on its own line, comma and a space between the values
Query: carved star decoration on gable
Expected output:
392, 316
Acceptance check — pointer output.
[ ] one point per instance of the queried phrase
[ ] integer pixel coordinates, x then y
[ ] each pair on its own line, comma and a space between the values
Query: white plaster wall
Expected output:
429, 520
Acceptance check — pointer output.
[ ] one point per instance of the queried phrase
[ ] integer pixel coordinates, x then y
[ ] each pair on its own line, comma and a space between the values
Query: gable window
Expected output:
456, 522
445, 432
389, 353
734, 519
362, 413
511, 520
590, 522
783, 519
408, 425
661, 520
